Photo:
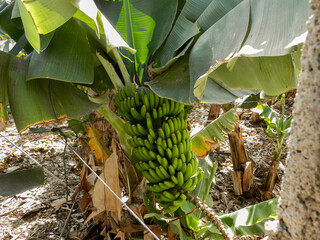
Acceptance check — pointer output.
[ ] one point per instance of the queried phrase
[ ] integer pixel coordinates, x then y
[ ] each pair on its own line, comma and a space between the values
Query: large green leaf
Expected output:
264, 37
20, 181
165, 85
46, 15
68, 57
43, 100
217, 44
273, 75
203, 140
142, 24
4, 62
250, 220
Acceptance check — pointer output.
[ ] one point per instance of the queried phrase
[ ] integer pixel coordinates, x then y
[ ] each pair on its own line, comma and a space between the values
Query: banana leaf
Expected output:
240, 45
142, 24
203, 140
68, 58
101, 27
43, 100
19, 181
251, 58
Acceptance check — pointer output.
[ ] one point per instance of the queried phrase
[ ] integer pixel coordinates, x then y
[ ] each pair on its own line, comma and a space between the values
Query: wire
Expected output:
46, 170
123, 203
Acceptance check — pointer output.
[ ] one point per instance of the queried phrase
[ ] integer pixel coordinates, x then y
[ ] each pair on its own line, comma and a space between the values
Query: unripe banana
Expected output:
164, 163
172, 171
164, 144
166, 129
175, 151
136, 115
188, 172
154, 175
174, 138
161, 151
150, 146
156, 100
142, 130
135, 130
145, 101
179, 165
164, 172
149, 123
161, 133
153, 134
171, 126
151, 99
169, 153
174, 163
169, 143
150, 178
152, 164
160, 112
143, 111
154, 113
180, 179
160, 174
174, 180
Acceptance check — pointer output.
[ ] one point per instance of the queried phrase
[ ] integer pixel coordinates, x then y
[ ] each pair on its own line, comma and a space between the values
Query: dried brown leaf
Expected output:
102, 198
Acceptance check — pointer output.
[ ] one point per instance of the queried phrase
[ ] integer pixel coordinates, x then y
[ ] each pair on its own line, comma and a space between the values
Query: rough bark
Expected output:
299, 213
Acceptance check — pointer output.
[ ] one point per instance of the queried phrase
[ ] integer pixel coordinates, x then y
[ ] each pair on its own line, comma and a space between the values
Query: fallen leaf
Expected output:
102, 197
57, 204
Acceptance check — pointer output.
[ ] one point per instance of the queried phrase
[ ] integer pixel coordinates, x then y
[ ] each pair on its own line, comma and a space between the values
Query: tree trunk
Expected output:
299, 212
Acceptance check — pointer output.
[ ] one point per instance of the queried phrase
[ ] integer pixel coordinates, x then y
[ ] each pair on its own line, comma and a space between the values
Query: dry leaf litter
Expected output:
41, 213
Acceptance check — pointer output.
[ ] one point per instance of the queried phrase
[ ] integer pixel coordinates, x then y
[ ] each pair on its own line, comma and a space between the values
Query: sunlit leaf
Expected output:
142, 24
47, 15
250, 220
228, 58
203, 140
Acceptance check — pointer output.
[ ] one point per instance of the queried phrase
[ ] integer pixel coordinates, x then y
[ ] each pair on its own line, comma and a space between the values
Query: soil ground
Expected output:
42, 213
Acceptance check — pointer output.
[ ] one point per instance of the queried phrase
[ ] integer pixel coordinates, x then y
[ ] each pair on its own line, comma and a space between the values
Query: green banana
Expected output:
136, 114
171, 170
180, 178
165, 154
169, 143
163, 171
151, 99
175, 151
150, 146
142, 130
188, 172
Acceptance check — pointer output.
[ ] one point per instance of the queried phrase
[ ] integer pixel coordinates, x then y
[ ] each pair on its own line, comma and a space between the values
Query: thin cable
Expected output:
68, 217
46, 170
123, 203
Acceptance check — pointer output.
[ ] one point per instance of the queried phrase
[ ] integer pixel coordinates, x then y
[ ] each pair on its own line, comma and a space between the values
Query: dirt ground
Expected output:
42, 213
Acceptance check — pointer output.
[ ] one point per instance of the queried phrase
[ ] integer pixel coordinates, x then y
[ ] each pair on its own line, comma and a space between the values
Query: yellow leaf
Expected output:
97, 144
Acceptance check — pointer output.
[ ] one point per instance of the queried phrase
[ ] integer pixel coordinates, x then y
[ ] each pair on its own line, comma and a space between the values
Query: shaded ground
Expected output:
42, 212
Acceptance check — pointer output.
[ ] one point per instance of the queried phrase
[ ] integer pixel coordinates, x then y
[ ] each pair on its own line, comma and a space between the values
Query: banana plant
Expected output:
74, 48
277, 131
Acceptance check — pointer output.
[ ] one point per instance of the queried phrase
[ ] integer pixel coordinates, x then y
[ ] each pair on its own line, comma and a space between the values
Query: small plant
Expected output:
277, 131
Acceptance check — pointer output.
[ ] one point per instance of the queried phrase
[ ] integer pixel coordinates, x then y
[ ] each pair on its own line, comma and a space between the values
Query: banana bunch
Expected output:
161, 140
